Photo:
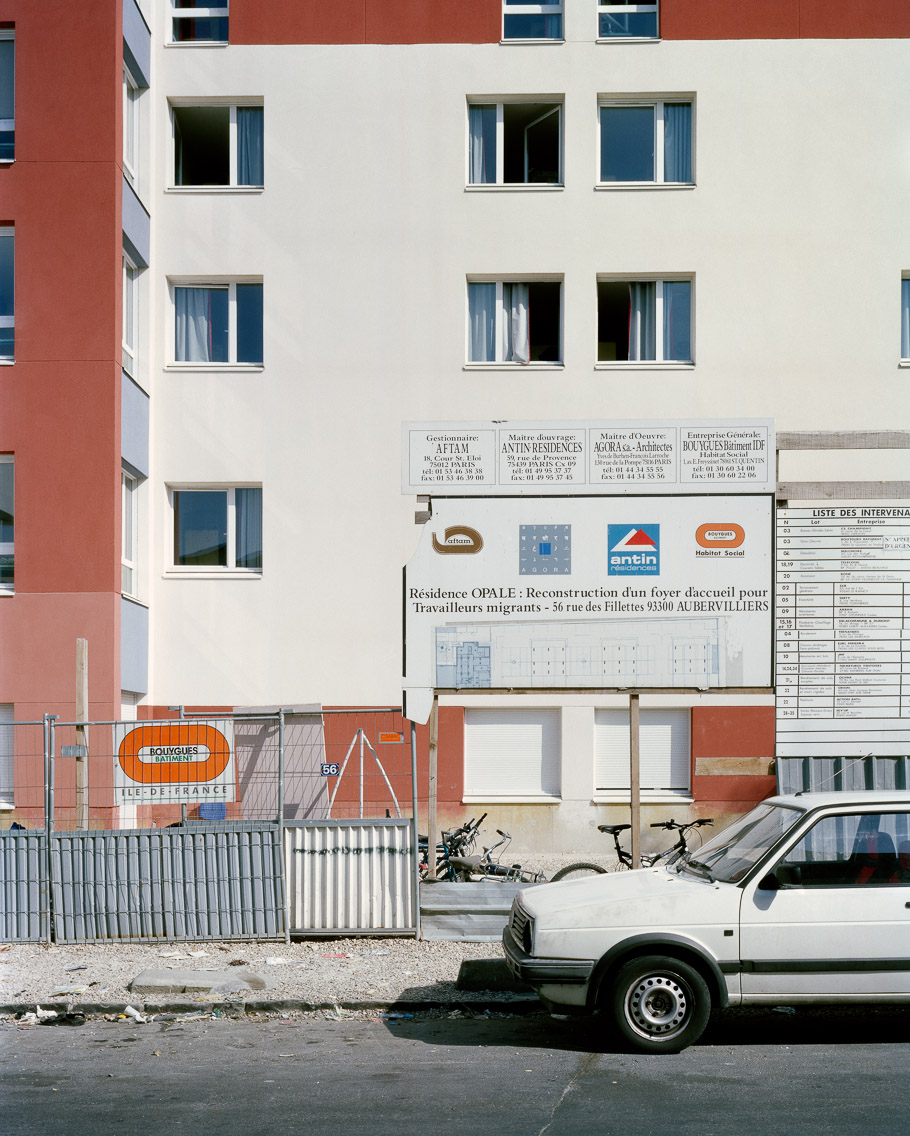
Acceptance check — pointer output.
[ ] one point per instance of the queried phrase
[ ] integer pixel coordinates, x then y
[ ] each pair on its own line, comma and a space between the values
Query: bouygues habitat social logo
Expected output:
633, 550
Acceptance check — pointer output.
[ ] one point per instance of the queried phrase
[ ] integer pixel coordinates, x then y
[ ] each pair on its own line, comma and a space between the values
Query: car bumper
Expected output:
544, 971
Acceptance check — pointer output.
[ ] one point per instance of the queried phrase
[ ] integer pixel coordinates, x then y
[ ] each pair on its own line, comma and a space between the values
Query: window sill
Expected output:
904, 364
615, 185
7, 161
513, 367
7, 362
510, 799
642, 365
515, 186
198, 43
189, 190
211, 574
134, 600
215, 368
525, 42
6, 592
628, 39
618, 798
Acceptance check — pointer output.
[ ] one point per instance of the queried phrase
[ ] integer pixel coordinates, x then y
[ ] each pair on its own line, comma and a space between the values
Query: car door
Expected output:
839, 922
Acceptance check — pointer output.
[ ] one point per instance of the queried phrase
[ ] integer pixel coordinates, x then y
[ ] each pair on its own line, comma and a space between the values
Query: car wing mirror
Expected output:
783, 876
769, 882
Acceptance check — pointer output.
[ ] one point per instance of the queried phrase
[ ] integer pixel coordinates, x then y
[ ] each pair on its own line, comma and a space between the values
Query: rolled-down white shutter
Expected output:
664, 748
511, 753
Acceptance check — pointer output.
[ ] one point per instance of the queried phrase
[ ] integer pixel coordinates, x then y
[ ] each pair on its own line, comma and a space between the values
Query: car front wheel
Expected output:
659, 1004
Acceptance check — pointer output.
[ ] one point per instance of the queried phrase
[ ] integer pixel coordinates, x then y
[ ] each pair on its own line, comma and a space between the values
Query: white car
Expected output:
804, 899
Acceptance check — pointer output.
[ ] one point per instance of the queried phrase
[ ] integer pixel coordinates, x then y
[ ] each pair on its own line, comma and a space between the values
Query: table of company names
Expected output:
843, 630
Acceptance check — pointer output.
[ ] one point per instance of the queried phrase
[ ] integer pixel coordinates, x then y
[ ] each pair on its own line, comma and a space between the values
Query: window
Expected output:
514, 321
7, 515
644, 321
663, 748
626, 19
129, 494
198, 21
872, 849
511, 753
514, 143
646, 143
905, 318
542, 20
130, 316
218, 145
130, 129
7, 96
218, 323
7, 754
7, 320
218, 528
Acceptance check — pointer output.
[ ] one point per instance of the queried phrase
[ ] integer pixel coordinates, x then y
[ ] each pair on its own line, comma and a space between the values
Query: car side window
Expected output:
858, 850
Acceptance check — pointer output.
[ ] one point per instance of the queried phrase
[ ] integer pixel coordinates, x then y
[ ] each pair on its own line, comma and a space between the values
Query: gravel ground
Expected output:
323, 972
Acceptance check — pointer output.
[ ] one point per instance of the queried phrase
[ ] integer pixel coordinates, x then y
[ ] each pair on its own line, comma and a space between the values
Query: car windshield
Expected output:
730, 854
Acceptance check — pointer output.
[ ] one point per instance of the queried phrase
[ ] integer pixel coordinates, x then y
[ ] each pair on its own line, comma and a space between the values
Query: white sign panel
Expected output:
557, 593
678, 456
186, 761
843, 630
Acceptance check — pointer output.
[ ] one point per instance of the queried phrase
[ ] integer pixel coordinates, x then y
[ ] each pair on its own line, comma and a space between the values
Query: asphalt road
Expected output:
809, 1073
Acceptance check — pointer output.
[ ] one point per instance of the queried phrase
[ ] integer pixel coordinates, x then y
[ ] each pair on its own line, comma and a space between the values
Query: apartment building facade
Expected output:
247, 244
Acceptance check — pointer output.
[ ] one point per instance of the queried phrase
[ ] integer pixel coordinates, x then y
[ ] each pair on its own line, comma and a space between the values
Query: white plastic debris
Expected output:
276, 960
132, 1012
44, 1015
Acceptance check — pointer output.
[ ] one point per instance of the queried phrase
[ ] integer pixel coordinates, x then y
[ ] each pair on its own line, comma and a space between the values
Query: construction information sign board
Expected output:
189, 762
843, 630
534, 458
568, 592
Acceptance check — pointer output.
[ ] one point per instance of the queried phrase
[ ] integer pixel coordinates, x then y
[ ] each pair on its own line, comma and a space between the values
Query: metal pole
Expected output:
361, 773
431, 790
82, 733
635, 779
49, 746
414, 838
281, 848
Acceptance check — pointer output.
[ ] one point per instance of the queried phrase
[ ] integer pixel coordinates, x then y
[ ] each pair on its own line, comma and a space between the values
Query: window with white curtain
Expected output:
644, 321
217, 323
512, 321
511, 753
514, 143
524, 20
218, 145
626, 19
645, 143
7, 756
664, 752
217, 527
7, 95
7, 521
199, 21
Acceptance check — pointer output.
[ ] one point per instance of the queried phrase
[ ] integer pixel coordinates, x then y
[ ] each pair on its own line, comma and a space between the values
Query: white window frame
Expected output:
527, 785
10, 321
659, 361
651, 720
130, 327
604, 8
501, 104
7, 757
221, 284
10, 123
905, 320
497, 364
8, 547
232, 185
129, 535
131, 129
211, 571
532, 9
180, 13
658, 107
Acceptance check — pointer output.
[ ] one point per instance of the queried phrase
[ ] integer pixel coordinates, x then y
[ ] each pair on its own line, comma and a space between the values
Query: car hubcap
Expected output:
657, 1005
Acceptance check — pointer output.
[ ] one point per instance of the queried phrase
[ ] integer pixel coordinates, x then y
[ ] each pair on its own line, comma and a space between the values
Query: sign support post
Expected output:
431, 794
635, 777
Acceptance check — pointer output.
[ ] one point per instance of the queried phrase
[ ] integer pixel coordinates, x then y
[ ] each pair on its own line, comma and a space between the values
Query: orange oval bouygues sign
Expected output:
170, 754
720, 536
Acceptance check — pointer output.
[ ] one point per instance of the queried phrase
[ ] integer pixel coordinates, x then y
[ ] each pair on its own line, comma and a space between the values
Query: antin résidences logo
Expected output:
633, 550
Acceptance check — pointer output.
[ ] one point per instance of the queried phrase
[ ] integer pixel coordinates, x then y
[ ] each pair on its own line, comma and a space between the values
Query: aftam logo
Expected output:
633, 551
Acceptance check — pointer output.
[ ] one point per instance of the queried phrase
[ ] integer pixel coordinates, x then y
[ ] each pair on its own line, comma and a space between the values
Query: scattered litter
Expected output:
198, 1014
392, 1017
784, 1010
287, 1054
156, 1053
336, 956
71, 1019
276, 960
68, 990
377, 952
132, 1012
336, 1015
299, 964
222, 947
198, 954
172, 955
6, 947
456, 1014
43, 1015
238, 962
69, 969
29, 1019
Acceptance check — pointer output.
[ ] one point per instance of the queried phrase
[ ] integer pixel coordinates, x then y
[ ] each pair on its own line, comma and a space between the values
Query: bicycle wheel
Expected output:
577, 872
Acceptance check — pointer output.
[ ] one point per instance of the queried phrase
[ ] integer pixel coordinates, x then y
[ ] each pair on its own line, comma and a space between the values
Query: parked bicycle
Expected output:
455, 862
455, 842
681, 845
485, 867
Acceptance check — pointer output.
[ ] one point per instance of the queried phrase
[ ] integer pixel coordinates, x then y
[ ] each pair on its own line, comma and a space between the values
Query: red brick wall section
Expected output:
784, 19
365, 21
733, 758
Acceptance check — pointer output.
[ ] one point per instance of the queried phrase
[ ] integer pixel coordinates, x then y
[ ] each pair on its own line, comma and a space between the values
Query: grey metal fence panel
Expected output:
23, 886
351, 876
200, 883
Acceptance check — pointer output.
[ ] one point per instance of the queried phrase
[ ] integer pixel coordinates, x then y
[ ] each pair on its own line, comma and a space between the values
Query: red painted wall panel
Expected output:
365, 21
784, 19
61, 399
736, 731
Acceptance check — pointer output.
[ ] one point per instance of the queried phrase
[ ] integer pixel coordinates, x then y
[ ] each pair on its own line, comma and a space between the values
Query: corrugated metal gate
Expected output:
112, 869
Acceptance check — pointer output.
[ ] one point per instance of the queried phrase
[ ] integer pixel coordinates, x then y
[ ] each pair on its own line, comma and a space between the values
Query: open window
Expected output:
524, 20
644, 321
7, 95
7, 309
626, 19
516, 143
218, 145
512, 321
199, 21
7, 518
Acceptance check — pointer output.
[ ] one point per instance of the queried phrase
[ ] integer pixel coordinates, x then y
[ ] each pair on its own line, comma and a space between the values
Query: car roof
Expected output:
864, 798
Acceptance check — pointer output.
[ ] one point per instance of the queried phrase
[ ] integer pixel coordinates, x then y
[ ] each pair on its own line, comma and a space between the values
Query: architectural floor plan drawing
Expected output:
668, 652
